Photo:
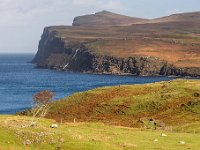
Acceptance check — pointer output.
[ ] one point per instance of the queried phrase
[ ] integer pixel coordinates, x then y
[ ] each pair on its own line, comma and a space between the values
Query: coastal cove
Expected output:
19, 80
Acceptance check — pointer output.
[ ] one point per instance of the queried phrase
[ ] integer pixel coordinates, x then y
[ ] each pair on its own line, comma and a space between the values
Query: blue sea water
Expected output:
19, 80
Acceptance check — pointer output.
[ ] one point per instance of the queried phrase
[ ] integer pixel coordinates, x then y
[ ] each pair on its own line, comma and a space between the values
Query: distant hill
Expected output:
105, 18
108, 43
181, 17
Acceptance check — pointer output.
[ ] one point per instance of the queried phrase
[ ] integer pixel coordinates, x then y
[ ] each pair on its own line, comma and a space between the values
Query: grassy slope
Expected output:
174, 102
88, 136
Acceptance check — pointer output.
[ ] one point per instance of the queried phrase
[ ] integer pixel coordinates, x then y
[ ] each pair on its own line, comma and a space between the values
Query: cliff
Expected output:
152, 49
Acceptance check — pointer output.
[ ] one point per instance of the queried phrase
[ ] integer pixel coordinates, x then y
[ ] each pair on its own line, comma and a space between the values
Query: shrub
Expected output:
40, 107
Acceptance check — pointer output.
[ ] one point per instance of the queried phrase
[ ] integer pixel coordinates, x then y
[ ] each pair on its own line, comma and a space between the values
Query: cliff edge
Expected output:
145, 48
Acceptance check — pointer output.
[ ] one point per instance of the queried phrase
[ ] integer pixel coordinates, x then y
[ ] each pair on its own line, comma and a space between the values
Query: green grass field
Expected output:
88, 136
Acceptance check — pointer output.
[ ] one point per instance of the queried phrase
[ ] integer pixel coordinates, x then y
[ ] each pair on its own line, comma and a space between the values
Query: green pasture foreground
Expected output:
90, 136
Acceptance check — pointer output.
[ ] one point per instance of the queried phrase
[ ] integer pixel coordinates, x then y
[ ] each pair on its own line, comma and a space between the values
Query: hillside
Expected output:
170, 103
164, 46
105, 18
181, 17
88, 136
99, 119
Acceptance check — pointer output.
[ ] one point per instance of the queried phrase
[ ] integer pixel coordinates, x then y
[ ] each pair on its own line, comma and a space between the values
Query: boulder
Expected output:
54, 126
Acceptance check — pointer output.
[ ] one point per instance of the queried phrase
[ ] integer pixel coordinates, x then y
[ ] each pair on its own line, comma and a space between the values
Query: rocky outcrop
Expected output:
62, 54
55, 53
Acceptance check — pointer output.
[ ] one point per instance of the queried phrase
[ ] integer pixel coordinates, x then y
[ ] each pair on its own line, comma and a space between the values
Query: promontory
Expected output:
109, 43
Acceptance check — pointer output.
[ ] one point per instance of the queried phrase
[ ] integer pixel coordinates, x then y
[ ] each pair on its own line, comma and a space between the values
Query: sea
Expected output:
20, 79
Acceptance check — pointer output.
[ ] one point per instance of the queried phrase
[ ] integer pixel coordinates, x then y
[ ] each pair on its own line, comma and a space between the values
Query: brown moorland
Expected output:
173, 103
175, 38
105, 18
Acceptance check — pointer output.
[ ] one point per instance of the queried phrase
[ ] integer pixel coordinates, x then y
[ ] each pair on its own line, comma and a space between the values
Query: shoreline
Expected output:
115, 74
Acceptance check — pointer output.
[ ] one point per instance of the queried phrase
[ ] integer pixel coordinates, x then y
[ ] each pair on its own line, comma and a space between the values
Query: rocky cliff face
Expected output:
57, 53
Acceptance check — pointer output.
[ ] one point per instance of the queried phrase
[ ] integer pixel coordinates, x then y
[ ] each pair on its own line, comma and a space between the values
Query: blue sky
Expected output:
157, 8
22, 21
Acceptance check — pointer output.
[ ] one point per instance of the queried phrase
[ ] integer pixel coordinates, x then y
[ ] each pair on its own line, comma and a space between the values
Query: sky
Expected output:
22, 21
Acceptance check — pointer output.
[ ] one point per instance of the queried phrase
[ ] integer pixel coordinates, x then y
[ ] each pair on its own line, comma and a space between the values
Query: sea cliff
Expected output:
138, 47
56, 53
